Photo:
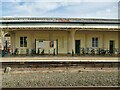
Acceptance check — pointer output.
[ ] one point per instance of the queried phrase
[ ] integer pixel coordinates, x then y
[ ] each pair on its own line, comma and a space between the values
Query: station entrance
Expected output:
77, 46
111, 46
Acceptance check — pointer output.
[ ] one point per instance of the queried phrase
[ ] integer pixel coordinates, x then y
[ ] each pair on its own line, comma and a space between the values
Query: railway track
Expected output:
61, 64
84, 62
65, 88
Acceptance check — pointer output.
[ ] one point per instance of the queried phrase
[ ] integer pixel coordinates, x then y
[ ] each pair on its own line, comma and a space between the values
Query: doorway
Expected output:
111, 46
77, 46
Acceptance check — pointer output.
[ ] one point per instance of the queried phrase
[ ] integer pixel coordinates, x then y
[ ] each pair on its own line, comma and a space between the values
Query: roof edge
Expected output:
49, 18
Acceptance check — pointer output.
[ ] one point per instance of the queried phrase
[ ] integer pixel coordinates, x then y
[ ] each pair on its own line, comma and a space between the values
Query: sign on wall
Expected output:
48, 46
41, 44
51, 43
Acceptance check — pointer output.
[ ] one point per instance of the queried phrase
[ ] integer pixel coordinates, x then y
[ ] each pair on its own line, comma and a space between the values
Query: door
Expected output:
77, 46
111, 45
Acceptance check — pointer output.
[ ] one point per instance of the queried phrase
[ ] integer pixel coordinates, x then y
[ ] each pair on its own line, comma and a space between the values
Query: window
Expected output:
23, 41
94, 42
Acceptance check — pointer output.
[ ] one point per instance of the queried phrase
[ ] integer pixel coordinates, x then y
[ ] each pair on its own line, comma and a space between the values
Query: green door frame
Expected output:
77, 46
111, 45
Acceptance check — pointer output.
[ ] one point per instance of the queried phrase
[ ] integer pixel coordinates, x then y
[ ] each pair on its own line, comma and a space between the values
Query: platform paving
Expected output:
57, 59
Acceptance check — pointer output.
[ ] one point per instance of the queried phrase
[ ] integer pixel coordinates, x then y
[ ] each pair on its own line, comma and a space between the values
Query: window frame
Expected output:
95, 42
23, 41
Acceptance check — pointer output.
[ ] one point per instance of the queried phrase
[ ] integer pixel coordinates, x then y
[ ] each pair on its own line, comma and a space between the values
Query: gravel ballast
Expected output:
46, 77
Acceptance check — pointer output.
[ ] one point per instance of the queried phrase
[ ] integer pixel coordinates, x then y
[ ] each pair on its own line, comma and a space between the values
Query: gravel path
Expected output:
40, 77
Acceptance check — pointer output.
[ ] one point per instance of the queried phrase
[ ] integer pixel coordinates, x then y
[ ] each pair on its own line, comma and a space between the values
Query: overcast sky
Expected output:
60, 8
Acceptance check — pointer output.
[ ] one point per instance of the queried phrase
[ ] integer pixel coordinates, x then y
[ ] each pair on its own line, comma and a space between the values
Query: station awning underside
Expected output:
64, 28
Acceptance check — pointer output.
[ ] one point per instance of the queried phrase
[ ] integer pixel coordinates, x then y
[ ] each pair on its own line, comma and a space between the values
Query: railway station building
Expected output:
62, 35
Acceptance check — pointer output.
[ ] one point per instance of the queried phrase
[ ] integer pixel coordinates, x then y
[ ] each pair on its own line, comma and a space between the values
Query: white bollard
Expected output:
7, 70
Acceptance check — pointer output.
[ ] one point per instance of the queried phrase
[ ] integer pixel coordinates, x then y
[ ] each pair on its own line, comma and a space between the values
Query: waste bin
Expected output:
3, 53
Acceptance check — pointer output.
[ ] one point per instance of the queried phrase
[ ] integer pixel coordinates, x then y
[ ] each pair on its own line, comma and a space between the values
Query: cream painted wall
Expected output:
80, 36
86, 38
62, 40
119, 40
41, 35
18, 34
62, 36
103, 37
111, 36
90, 35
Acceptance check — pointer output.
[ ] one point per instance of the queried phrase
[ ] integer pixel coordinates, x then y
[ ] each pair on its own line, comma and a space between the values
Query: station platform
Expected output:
59, 59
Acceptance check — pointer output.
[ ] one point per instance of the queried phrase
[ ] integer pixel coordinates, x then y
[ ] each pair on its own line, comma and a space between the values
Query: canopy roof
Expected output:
25, 23
67, 20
